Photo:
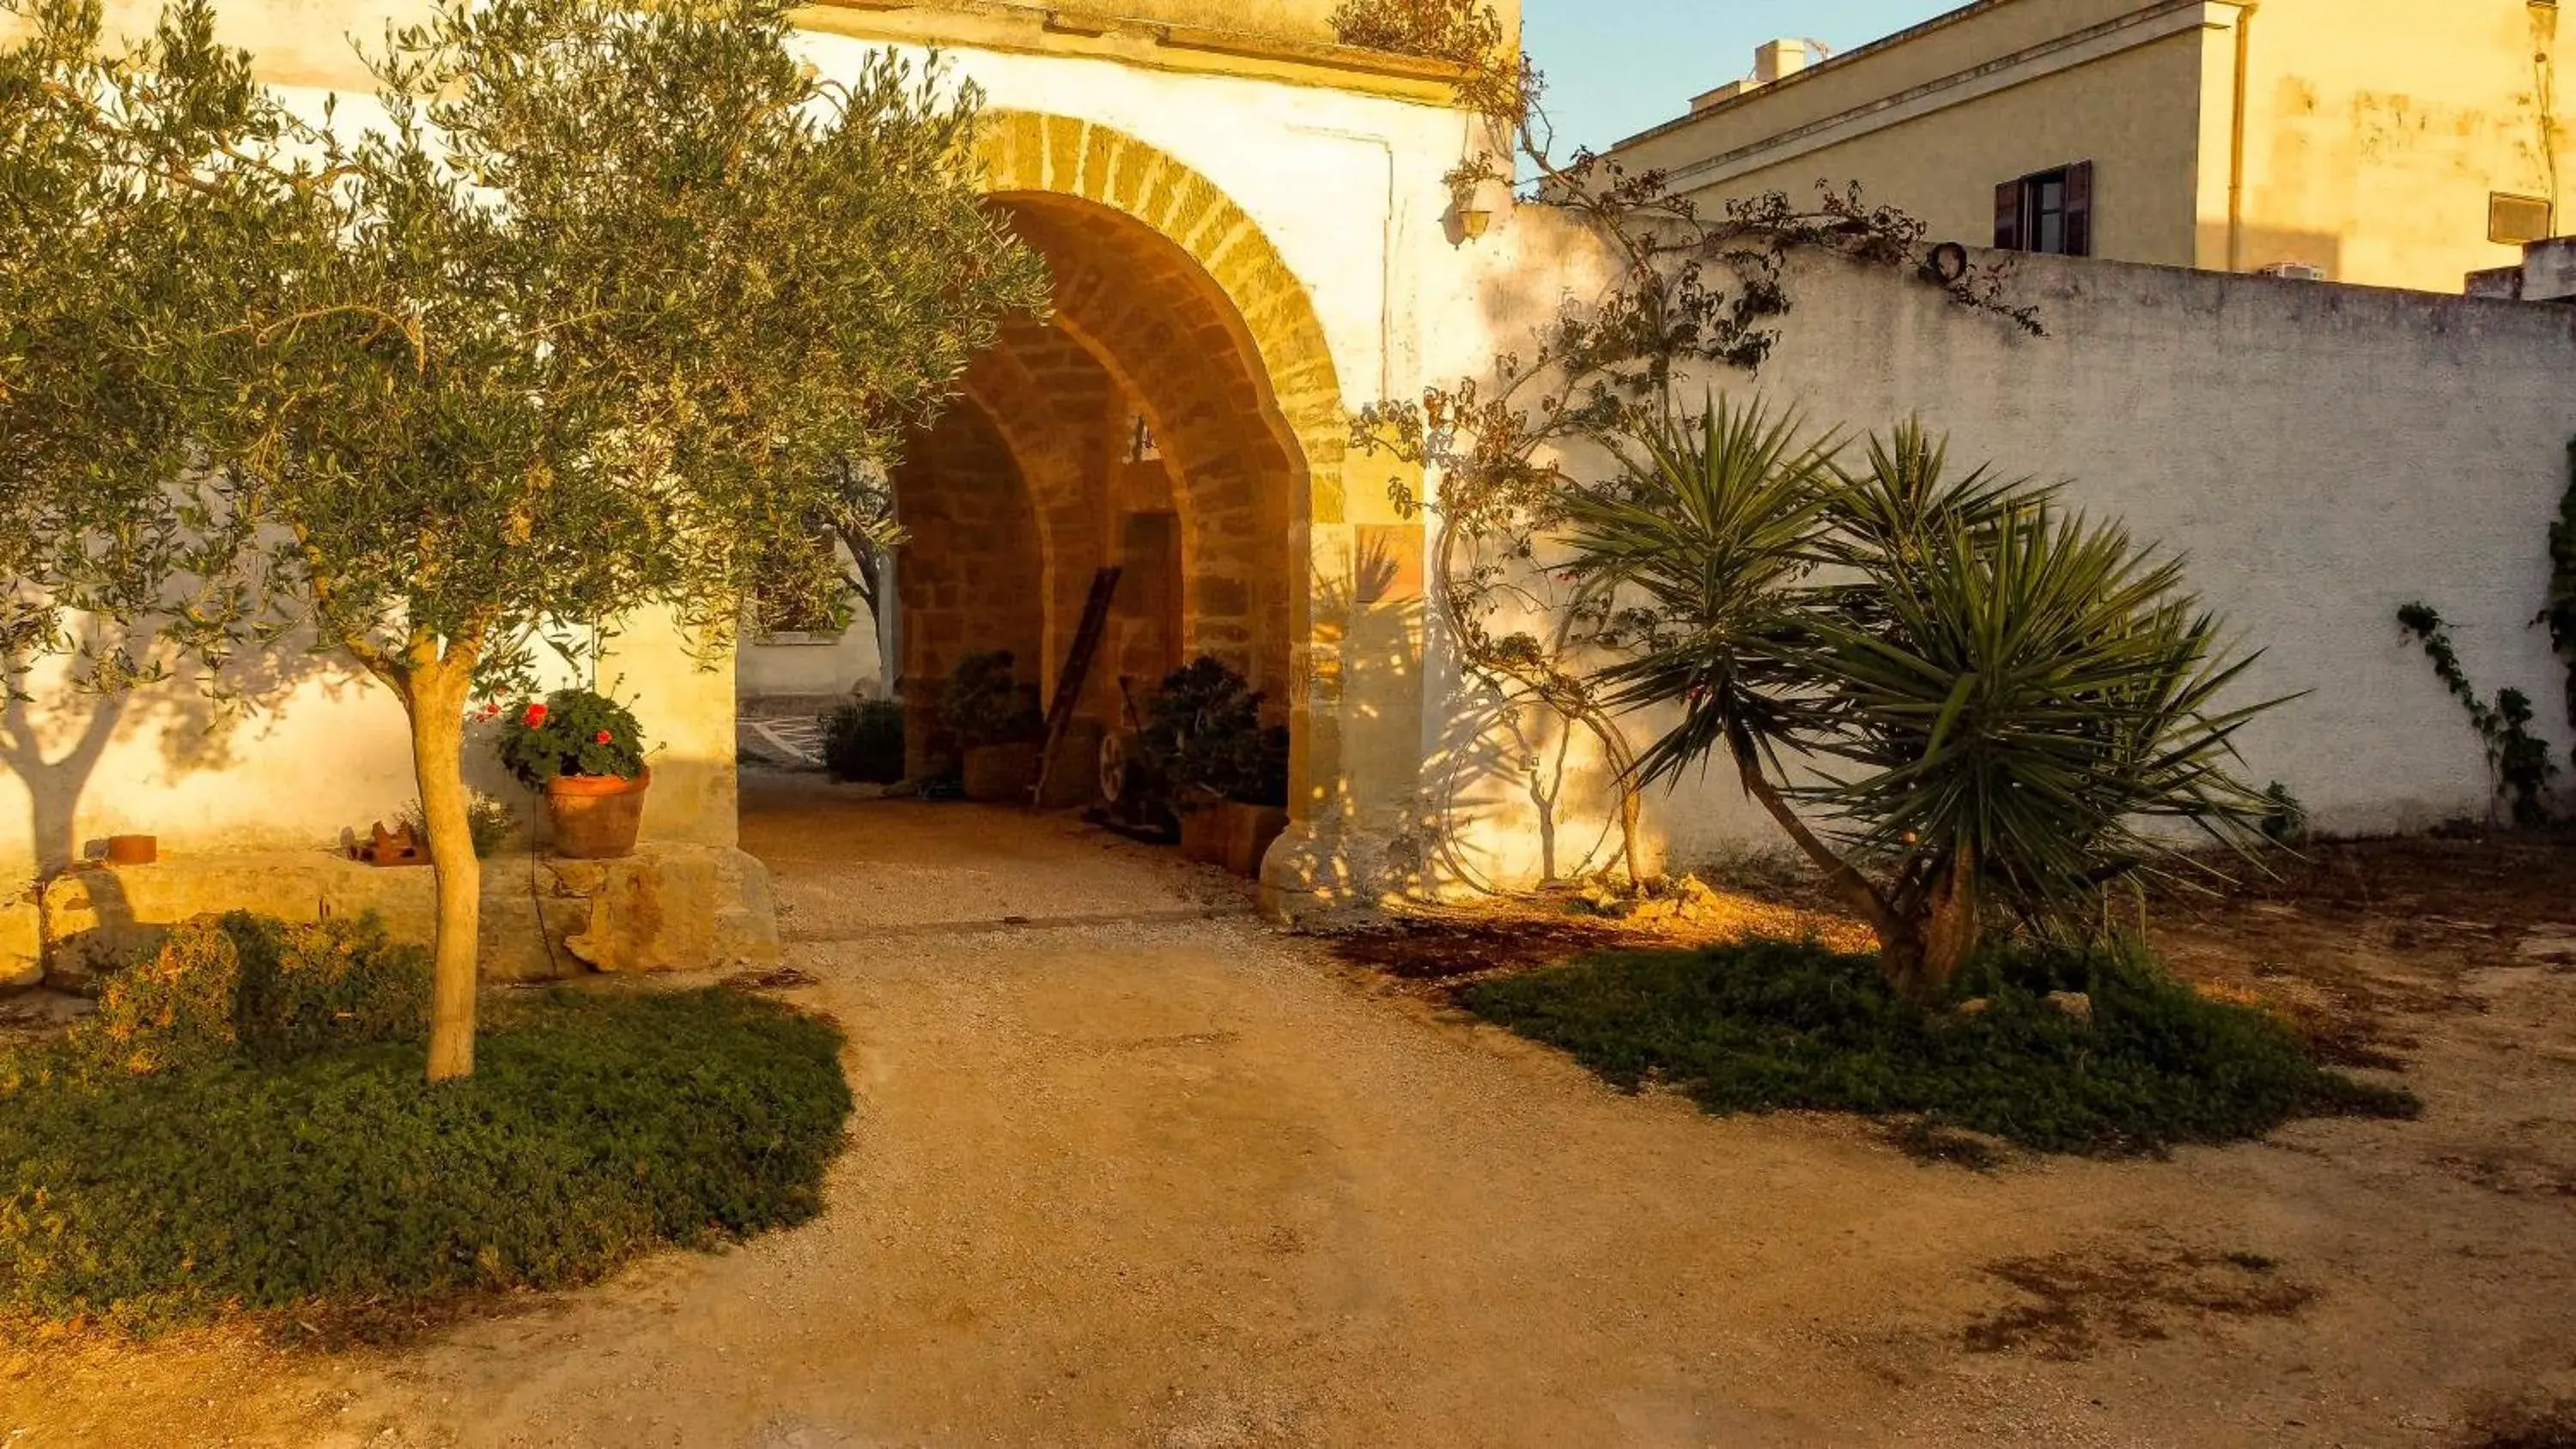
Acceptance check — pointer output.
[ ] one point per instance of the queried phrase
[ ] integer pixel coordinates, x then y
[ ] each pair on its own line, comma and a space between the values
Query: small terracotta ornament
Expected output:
384, 847
133, 849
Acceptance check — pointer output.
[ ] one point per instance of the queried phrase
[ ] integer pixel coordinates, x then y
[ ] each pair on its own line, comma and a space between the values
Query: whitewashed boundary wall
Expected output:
2321, 454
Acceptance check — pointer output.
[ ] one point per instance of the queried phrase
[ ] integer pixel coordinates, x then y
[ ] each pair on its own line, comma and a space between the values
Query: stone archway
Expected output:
1174, 309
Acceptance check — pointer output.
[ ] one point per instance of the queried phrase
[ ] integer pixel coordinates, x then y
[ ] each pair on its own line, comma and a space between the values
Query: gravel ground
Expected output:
1130, 1168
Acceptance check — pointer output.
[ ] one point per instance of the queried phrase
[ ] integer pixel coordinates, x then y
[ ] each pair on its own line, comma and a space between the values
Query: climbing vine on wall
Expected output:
2560, 616
2517, 759
1693, 287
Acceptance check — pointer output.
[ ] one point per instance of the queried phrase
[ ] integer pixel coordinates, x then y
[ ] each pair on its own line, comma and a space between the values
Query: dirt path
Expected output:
1141, 1172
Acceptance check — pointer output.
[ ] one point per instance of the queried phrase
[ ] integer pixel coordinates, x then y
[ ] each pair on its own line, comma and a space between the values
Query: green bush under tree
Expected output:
241, 1127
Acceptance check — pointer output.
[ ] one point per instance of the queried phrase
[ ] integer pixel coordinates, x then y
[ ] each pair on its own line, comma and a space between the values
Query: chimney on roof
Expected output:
1773, 60
1778, 59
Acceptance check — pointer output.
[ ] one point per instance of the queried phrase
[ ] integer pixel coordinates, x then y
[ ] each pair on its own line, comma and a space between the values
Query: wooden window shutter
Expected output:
2079, 209
2008, 217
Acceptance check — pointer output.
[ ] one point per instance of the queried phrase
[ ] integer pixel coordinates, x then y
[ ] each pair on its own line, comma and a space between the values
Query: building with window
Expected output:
2385, 142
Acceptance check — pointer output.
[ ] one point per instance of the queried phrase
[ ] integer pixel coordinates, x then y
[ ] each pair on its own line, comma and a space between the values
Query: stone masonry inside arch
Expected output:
1176, 417
1128, 431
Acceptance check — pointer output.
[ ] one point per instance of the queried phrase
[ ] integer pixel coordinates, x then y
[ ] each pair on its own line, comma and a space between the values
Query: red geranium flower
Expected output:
602, 737
535, 716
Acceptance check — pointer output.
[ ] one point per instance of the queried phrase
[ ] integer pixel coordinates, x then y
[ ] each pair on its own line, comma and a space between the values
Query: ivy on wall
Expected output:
2517, 759
2560, 616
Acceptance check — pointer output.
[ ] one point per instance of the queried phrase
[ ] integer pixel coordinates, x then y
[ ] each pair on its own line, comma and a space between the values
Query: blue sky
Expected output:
1616, 67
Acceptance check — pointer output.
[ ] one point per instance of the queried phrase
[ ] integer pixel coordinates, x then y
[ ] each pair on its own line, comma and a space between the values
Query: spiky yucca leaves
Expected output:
2024, 703
2009, 696
1905, 495
1696, 555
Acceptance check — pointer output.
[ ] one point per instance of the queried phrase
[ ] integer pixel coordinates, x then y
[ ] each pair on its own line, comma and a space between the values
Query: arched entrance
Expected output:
1179, 417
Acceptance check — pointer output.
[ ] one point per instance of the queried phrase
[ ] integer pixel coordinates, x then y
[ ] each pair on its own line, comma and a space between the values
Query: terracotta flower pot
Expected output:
1250, 831
1203, 834
596, 817
1001, 774
133, 849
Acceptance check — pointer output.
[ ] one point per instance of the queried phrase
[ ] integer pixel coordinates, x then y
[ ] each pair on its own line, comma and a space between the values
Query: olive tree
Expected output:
573, 325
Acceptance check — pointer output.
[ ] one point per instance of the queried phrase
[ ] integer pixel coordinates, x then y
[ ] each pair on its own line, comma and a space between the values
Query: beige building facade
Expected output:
2380, 142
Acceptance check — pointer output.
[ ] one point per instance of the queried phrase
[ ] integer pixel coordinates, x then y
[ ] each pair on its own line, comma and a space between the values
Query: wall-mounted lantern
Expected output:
1470, 212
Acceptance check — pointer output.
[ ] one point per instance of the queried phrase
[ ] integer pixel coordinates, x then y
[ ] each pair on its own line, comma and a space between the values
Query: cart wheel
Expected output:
1117, 764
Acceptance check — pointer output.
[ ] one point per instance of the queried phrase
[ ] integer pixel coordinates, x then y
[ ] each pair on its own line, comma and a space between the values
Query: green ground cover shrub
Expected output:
1769, 1025
313, 1168
241, 985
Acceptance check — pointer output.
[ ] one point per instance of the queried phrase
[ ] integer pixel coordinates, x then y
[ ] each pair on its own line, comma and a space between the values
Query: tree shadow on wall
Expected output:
1463, 787
55, 736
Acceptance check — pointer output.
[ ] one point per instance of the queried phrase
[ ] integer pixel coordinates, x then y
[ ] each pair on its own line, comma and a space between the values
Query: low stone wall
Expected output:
668, 907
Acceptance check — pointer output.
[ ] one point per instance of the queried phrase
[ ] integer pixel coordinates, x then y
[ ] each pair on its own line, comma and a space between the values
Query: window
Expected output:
2049, 212
2518, 220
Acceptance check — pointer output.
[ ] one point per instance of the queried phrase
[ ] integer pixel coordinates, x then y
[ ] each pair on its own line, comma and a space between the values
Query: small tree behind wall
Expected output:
1691, 288
577, 328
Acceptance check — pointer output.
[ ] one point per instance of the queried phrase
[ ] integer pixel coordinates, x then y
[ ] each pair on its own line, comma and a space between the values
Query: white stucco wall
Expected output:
2321, 454
766, 668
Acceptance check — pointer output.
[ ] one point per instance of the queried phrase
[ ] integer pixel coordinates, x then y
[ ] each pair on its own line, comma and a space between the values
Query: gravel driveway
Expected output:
1130, 1168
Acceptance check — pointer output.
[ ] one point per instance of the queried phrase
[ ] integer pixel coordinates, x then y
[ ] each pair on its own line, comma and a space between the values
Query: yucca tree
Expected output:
1998, 699
2023, 704
1697, 557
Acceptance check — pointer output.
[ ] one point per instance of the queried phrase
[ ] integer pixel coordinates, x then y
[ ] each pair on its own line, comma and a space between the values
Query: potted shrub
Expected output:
996, 724
863, 742
1256, 809
586, 753
1227, 772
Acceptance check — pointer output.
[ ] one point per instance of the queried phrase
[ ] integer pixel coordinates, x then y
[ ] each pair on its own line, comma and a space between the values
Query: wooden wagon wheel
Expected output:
1117, 764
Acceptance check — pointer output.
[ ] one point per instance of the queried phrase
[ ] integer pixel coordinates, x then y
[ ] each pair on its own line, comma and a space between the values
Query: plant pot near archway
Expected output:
586, 753
1228, 770
1001, 774
1250, 831
1204, 828
596, 817
994, 719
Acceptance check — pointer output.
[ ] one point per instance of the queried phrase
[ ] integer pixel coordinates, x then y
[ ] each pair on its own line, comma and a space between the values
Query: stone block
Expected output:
673, 909
101, 917
22, 945
673, 906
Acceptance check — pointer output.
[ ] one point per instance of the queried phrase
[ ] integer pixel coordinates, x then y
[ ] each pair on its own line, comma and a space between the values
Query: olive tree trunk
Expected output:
434, 696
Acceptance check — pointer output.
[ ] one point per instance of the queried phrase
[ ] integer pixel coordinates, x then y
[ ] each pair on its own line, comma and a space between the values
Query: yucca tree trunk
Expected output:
434, 695
1923, 941
1933, 941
